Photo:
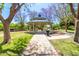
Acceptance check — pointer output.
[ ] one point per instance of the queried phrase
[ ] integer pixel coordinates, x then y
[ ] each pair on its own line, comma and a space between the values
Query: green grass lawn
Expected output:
66, 47
18, 42
62, 30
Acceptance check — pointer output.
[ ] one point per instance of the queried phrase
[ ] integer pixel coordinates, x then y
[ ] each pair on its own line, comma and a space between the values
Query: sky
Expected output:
37, 7
5, 11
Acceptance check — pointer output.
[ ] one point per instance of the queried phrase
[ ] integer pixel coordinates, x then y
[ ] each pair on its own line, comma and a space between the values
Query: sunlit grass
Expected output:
19, 40
62, 30
66, 47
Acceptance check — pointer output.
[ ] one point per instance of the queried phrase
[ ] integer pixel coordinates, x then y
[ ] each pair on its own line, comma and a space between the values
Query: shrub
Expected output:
1, 26
71, 28
19, 27
56, 26
20, 43
12, 26
26, 27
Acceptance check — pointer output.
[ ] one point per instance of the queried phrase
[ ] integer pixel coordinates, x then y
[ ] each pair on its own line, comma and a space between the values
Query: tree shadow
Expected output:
30, 33
36, 32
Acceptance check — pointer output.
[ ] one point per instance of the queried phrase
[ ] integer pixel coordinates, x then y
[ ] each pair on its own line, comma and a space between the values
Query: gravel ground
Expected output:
39, 46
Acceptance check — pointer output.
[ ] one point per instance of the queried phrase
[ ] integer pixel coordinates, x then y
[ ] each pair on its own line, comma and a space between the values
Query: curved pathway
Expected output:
39, 46
60, 36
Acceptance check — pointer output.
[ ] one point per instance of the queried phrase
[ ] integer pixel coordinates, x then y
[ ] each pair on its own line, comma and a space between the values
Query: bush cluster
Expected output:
20, 43
71, 28
15, 27
1, 26
56, 26
16, 45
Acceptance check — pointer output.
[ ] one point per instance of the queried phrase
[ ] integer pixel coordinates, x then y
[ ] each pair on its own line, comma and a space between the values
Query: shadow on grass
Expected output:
30, 33
36, 32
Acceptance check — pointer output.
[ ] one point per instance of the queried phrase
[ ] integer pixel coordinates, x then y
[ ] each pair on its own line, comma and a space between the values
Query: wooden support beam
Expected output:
33, 26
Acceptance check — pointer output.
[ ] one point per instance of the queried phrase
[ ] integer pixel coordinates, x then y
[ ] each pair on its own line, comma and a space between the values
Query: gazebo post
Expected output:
29, 27
33, 26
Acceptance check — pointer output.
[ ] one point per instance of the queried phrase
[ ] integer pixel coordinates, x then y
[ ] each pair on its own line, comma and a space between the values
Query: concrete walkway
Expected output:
59, 36
39, 46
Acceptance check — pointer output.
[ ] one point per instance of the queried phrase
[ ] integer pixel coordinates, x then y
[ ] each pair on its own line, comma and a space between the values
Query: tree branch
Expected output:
13, 11
19, 6
1, 18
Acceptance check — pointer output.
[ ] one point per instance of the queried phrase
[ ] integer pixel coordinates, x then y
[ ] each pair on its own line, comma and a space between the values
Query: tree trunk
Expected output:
65, 22
66, 27
51, 26
76, 37
6, 29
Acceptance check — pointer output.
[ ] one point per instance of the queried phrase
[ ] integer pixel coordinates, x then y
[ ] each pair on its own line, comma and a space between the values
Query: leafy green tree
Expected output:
62, 12
6, 22
21, 19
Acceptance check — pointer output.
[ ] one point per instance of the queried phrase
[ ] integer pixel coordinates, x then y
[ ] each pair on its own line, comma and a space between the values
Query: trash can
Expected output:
48, 32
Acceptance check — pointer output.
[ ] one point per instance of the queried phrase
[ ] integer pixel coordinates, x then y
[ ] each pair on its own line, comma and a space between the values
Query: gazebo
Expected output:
38, 23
